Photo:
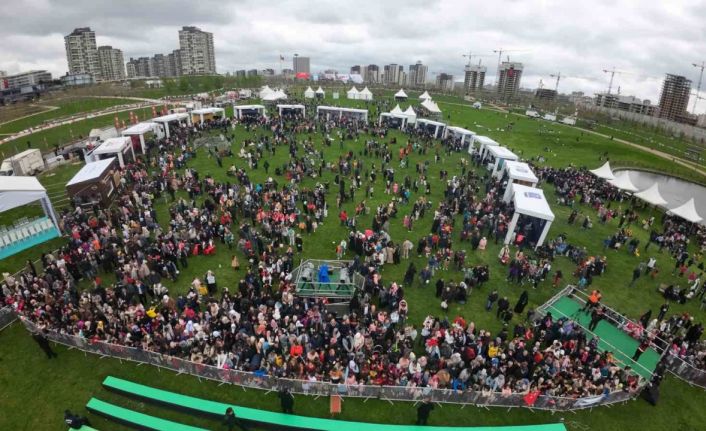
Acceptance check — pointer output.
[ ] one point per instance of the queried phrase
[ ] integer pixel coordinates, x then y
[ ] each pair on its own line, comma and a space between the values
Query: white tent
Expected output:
265, 91
309, 93
603, 172
401, 95
353, 93
431, 106
622, 181
411, 114
242, 111
320, 92
397, 110
114, 147
282, 108
687, 211
427, 124
463, 134
484, 143
397, 113
176, 118
652, 196
18, 191
425, 96
205, 113
140, 130
499, 156
334, 111
518, 173
531, 202
365, 94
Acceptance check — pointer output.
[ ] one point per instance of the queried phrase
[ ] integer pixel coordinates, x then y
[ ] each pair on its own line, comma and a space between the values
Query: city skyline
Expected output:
645, 45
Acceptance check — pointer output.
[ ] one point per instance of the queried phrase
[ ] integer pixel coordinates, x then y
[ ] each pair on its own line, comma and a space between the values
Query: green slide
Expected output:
135, 419
215, 409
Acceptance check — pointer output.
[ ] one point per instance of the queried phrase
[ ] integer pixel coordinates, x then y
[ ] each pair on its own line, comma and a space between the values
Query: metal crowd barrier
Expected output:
249, 380
686, 371
7, 316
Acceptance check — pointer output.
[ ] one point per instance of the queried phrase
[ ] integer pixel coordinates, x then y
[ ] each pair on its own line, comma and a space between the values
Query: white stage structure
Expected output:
173, 120
18, 191
427, 124
207, 114
603, 172
329, 111
309, 93
622, 182
517, 173
530, 201
687, 211
652, 196
281, 108
140, 130
498, 156
242, 111
460, 133
114, 147
484, 143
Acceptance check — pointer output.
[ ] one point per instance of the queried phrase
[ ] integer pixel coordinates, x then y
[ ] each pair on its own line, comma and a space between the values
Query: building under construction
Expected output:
474, 78
509, 79
675, 98
546, 94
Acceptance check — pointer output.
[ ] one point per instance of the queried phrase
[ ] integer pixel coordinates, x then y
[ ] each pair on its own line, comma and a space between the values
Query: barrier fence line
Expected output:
249, 380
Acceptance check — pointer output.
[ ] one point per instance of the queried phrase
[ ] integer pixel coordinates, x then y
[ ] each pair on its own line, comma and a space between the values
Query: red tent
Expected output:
302, 75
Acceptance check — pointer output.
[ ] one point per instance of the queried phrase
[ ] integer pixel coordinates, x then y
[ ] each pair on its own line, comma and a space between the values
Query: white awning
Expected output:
248, 107
501, 153
290, 106
531, 201
113, 145
431, 122
622, 181
401, 94
603, 172
211, 110
91, 171
425, 96
484, 140
140, 129
520, 171
652, 196
18, 191
687, 211
460, 131
179, 116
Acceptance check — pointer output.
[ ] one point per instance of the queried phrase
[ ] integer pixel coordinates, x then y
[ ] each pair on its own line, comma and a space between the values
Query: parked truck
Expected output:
28, 162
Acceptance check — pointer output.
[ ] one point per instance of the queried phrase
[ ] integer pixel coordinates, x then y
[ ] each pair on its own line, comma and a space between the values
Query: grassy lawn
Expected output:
67, 107
77, 378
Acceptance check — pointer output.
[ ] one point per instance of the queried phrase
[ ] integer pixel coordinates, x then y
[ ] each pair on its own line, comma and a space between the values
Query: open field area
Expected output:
23, 367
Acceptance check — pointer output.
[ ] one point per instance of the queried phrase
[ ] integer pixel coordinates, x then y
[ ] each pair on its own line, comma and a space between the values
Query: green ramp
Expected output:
135, 419
611, 337
217, 410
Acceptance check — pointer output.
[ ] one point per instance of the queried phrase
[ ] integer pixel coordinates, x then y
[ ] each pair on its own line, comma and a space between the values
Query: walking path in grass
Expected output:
49, 108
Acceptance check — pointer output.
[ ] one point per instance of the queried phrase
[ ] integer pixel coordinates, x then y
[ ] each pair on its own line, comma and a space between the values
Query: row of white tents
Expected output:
309, 93
269, 95
363, 94
651, 195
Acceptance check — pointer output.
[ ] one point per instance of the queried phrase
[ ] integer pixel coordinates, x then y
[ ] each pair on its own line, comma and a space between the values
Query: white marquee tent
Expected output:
206, 113
428, 124
622, 181
431, 106
484, 143
425, 96
334, 111
173, 119
265, 91
499, 156
411, 114
18, 191
518, 173
309, 93
114, 147
687, 211
460, 133
353, 93
397, 113
242, 111
282, 108
652, 196
320, 92
531, 202
401, 95
603, 172
365, 94
275, 96
140, 130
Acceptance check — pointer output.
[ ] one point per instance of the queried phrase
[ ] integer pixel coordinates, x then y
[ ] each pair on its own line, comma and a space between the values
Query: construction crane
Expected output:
612, 72
698, 87
558, 77
500, 52
470, 56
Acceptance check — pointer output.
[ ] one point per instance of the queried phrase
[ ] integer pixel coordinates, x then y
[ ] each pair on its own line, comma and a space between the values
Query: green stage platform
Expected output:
281, 420
612, 339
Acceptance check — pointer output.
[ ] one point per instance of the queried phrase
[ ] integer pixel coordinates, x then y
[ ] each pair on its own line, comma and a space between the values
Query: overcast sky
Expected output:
578, 39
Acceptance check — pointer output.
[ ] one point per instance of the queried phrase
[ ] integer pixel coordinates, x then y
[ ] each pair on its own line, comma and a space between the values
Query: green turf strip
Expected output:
280, 419
141, 420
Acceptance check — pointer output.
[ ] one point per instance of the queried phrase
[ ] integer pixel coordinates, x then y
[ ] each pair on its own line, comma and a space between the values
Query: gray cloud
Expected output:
579, 39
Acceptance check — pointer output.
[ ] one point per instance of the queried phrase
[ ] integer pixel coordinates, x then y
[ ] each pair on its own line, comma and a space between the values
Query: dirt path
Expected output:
49, 108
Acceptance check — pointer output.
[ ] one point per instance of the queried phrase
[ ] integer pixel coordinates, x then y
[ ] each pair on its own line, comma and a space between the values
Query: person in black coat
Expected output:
286, 401
43, 342
503, 305
423, 411
522, 303
75, 422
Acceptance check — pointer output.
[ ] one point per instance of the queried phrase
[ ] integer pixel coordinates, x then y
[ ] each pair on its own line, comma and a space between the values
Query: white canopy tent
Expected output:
499, 156
622, 182
91, 171
114, 147
401, 95
687, 211
652, 196
140, 130
531, 202
275, 96
329, 111
282, 108
431, 106
173, 119
459, 132
397, 110
320, 92
428, 124
425, 96
518, 173
603, 172
204, 114
353, 93
484, 143
365, 94
309, 93
18, 191
266, 90
242, 111
411, 114
398, 117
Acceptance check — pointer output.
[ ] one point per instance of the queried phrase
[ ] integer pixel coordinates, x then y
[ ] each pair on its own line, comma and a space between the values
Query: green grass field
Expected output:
23, 367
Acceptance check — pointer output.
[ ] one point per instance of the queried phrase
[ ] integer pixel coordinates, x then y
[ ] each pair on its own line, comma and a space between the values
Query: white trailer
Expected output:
28, 162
